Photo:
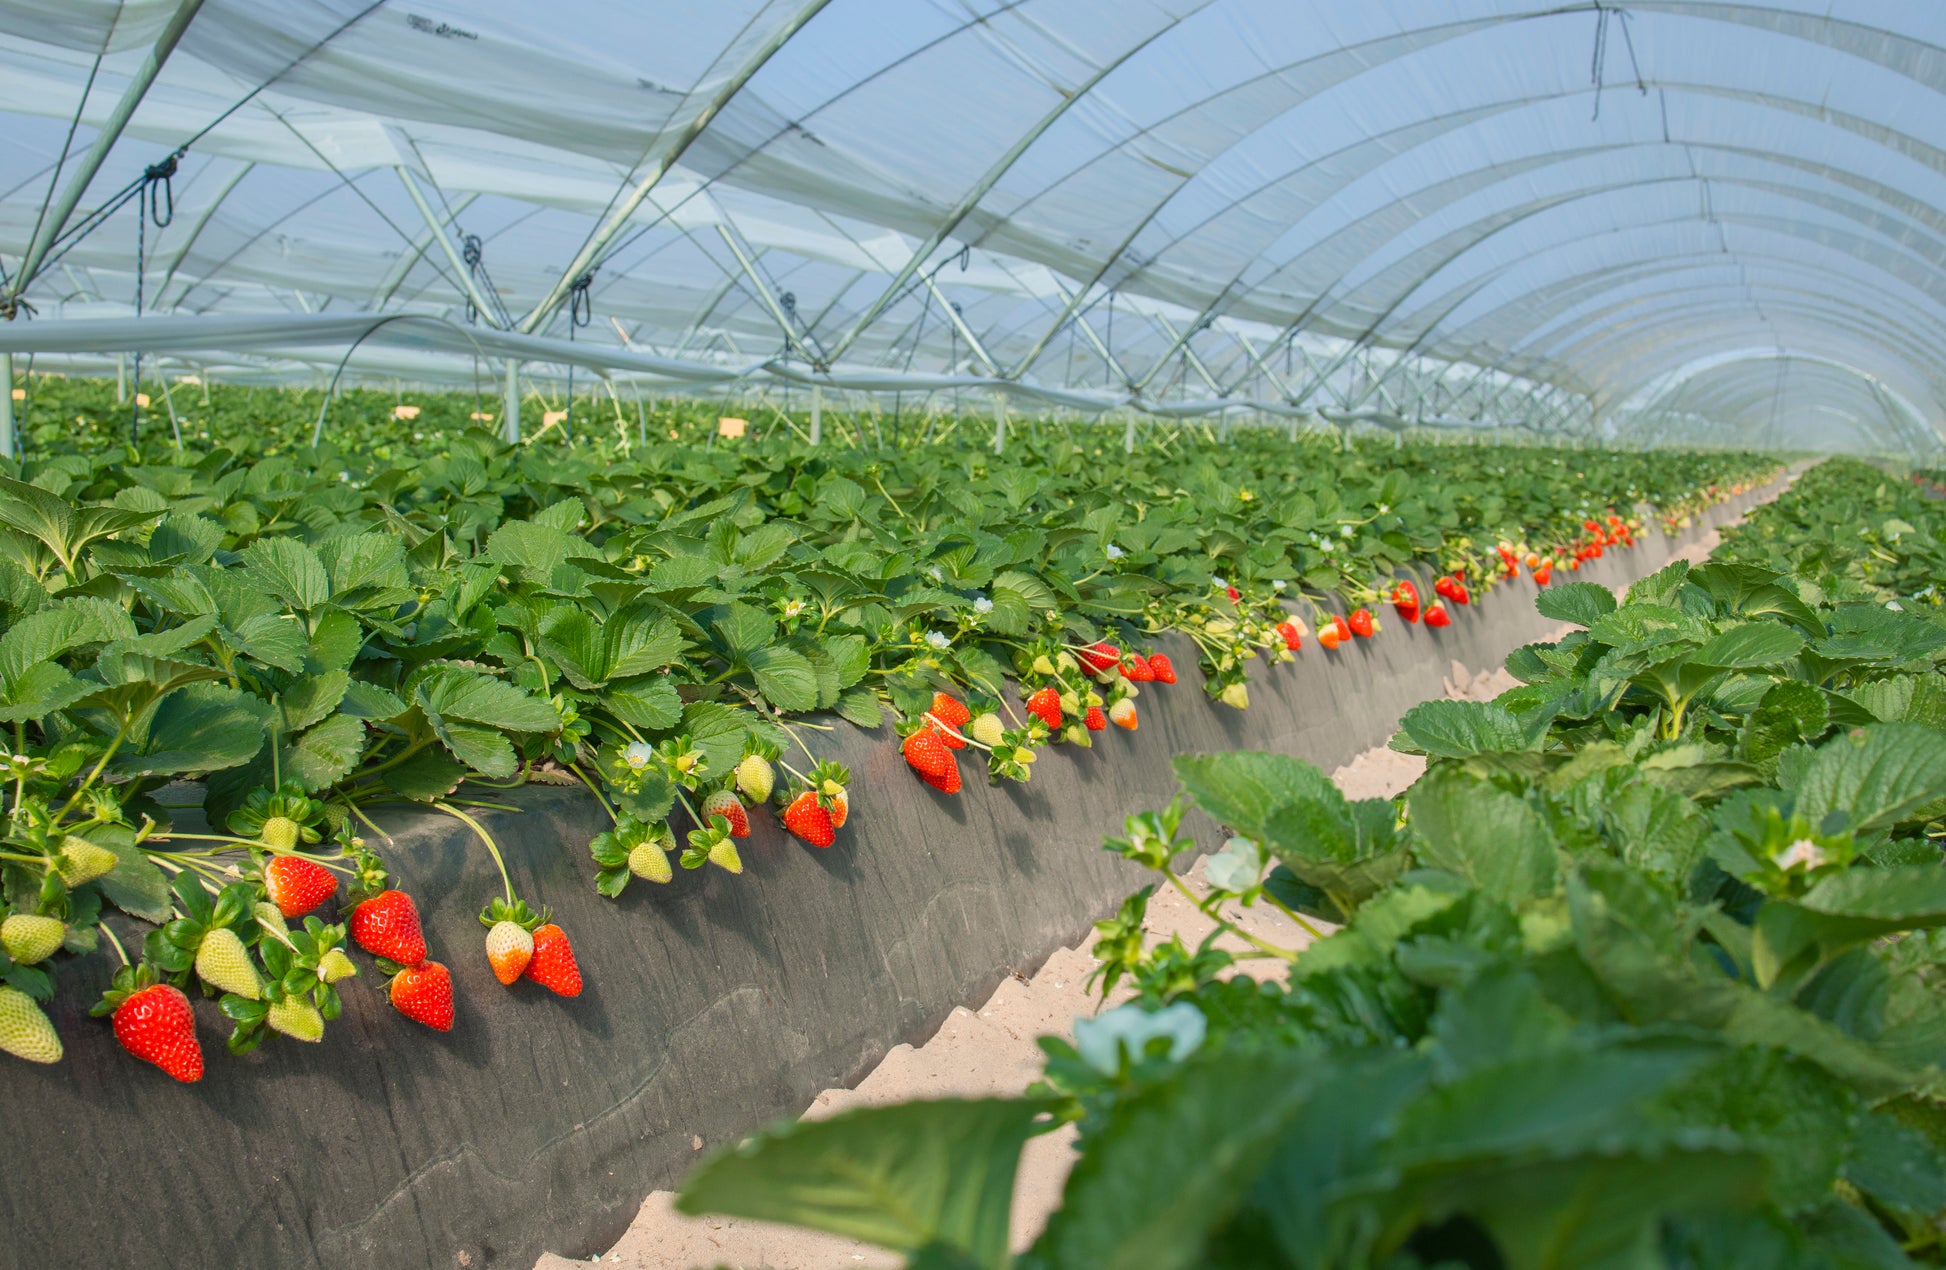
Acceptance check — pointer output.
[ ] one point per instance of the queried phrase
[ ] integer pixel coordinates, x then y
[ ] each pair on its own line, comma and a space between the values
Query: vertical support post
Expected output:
7, 405
999, 422
1128, 435
510, 405
121, 379
817, 414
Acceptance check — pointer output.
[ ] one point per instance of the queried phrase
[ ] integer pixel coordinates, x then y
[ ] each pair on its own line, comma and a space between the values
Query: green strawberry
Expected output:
223, 963
25, 1031
82, 861
724, 855
334, 965
29, 939
280, 833
986, 729
755, 778
648, 860
296, 1018
271, 918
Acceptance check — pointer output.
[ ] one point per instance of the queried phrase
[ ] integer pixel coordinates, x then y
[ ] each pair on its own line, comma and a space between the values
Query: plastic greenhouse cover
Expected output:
1183, 204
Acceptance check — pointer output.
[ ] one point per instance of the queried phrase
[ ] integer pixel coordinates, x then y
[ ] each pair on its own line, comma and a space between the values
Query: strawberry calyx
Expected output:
518, 912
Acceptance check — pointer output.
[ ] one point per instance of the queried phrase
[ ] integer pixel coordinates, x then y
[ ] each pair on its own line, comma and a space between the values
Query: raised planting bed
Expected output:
710, 1006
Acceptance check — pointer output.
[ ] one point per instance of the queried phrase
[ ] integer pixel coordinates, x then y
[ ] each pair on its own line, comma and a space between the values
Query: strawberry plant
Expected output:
303, 635
1644, 970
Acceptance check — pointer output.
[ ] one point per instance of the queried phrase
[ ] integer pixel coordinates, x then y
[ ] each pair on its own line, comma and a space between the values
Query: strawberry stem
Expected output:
583, 777
492, 849
114, 943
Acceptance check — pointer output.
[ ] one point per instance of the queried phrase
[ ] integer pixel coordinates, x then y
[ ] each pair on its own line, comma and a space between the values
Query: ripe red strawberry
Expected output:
1343, 628
1122, 714
1292, 639
1164, 672
1329, 636
1233, 593
1443, 587
297, 886
1405, 600
946, 782
725, 804
1361, 623
1102, 656
387, 925
807, 818
1437, 617
1136, 669
509, 947
1095, 720
1045, 705
1460, 595
950, 711
553, 965
1544, 575
927, 752
157, 1026
424, 994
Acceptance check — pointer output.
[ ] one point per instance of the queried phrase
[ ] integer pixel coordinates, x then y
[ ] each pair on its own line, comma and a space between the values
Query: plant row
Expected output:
310, 635
1643, 971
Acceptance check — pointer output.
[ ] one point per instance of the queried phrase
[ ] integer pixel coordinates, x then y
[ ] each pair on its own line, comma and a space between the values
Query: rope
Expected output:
581, 311
155, 200
1602, 15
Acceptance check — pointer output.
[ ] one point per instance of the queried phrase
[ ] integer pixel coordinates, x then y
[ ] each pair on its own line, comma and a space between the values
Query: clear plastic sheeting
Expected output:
1609, 221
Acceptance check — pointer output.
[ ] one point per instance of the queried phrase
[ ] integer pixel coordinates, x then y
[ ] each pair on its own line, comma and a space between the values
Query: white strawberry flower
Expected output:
1346, 531
982, 605
1114, 552
637, 755
938, 640
1128, 1029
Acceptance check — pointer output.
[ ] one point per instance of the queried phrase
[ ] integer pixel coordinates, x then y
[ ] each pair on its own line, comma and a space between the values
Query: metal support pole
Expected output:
959, 323
57, 215
510, 405
770, 303
817, 414
453, 258
999, 422
1128, 435
7, 446
624, 210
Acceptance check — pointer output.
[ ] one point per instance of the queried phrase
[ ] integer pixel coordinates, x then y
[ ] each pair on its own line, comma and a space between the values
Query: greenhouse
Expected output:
973, 634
